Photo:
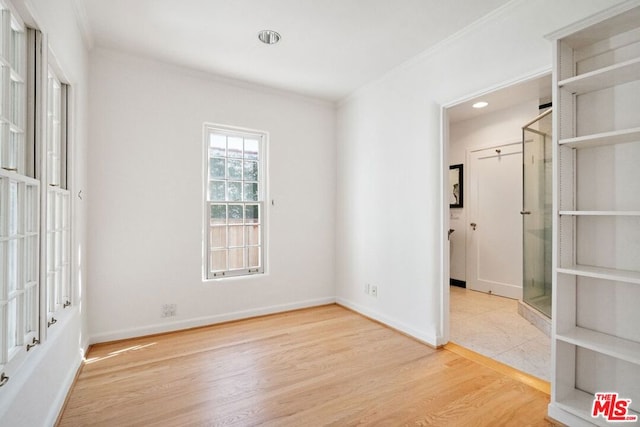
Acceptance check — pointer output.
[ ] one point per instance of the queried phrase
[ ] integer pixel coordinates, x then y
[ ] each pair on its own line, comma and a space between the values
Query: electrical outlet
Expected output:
374, 291
367, 288
168, 310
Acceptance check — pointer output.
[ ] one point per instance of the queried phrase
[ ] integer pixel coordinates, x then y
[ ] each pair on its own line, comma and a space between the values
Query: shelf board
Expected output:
602, 273
603, 78
580, 404
605, 138
600, 213
603, 343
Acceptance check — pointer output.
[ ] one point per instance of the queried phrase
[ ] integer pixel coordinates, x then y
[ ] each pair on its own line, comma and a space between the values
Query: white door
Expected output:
494, 229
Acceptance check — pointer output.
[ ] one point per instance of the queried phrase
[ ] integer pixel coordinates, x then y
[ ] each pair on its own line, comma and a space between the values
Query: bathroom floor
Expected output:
490, 325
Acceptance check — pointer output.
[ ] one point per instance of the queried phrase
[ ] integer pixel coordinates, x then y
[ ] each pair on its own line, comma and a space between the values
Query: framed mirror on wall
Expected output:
456, 180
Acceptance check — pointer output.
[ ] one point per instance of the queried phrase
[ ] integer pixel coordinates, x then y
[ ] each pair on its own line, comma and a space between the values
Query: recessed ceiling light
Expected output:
480, 104
269, 36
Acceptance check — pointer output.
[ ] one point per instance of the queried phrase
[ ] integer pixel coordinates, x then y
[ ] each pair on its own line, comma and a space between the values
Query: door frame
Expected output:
443, 329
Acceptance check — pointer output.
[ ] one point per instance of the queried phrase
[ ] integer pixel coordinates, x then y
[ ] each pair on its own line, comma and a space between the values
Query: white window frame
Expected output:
19, 203
57, 212
209, 245
35, 198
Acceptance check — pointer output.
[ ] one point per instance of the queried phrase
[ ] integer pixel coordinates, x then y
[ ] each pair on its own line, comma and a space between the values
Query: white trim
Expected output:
186, 71
428, 339
533, 75
593, 19
27, 13
442, 44
53, 62
57, 403
445, 248
159, 328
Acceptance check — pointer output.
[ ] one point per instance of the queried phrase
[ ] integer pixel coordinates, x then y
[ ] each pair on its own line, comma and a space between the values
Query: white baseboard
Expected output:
427, 339
58, 403
205, 320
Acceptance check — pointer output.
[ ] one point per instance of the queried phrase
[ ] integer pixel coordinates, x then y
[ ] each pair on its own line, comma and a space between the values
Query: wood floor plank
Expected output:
320, 366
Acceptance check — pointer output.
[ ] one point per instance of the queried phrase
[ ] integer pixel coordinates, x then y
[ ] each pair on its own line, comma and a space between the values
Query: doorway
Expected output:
488, 260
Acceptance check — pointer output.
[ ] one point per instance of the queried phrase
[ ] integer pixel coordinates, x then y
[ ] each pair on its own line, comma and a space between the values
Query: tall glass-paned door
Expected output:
536, 212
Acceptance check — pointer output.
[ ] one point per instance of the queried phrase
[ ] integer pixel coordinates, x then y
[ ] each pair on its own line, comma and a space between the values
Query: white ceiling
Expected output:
535, 89
329, 48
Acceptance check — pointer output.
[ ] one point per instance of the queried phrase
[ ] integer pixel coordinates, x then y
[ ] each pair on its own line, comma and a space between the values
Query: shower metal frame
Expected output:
524, 212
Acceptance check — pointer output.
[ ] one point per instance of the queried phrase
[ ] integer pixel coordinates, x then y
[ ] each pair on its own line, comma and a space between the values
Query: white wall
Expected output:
146, 204
491, 129
390, 162
36, 393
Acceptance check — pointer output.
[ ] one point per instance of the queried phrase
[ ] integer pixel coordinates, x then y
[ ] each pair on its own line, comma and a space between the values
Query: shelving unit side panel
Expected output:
565, 314
566, 184
564, 356
565, 66
566, 241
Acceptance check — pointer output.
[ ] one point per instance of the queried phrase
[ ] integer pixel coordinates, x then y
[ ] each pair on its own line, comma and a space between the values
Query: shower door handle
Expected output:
473, 225
525, 212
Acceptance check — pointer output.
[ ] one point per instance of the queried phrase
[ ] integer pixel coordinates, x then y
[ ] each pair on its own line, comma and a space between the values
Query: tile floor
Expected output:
491, 325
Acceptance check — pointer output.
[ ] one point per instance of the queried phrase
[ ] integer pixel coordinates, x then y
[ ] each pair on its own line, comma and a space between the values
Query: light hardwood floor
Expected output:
313, 367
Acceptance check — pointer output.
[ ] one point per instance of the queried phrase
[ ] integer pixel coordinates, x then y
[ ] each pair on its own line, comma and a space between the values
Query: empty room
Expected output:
251, 212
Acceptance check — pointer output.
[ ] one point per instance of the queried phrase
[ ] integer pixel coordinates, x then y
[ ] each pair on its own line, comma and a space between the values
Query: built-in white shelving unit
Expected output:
596, 307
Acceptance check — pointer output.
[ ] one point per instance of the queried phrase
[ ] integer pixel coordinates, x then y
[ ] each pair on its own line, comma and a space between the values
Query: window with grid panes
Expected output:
19, 203
58, 266
234, 202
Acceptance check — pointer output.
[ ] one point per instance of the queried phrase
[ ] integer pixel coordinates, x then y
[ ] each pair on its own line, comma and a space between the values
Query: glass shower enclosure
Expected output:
536, 212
